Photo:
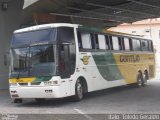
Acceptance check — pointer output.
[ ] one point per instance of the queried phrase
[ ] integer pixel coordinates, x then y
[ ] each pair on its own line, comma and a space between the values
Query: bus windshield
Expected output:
25, 39
32, 53
33, 61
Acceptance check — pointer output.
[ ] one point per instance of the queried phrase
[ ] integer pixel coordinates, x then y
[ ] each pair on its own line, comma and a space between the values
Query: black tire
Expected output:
140, 81
79, 91
145, 78
17, 100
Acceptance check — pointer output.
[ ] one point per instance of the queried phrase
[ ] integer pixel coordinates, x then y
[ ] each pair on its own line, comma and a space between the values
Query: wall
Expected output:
9, 21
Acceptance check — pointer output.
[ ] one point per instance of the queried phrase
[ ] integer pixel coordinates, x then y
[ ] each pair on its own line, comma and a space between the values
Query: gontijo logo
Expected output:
130, 58
85, 60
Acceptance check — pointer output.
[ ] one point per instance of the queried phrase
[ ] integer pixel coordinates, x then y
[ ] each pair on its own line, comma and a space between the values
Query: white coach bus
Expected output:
60, 60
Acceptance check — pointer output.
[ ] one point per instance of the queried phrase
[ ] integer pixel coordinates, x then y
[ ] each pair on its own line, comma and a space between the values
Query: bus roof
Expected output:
99, 30
125, 34
45, 26
87, 28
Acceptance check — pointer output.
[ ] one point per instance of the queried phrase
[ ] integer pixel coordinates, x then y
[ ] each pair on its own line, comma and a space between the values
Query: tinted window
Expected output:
66, 34
42, 60
136, 45
33, 61
144, 45
33, 37
150, 46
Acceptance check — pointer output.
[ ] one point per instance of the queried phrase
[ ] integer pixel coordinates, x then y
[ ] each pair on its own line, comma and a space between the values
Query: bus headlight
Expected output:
50, 83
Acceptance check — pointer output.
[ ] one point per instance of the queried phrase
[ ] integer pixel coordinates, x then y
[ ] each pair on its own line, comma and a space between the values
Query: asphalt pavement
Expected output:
119, 100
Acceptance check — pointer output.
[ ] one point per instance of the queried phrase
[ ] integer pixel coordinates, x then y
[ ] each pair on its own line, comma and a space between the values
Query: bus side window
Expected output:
86, 40
115, 42
102, 42
79, 40
144, 45
66, 35
136, 45
126, 44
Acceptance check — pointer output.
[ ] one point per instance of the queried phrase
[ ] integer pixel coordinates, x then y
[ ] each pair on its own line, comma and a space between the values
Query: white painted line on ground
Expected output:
84, 114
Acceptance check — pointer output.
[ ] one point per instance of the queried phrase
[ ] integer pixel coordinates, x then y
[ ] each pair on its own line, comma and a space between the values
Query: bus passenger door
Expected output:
67, 56
64, 66
64, 62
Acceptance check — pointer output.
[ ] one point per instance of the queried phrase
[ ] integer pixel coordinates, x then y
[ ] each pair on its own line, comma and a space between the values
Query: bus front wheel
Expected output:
17, 100
79, 91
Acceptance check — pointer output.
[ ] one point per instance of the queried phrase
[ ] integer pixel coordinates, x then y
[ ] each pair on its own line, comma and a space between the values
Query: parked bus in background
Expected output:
61, 60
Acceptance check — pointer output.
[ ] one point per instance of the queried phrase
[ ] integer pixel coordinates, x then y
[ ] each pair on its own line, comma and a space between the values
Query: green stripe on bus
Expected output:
107, 66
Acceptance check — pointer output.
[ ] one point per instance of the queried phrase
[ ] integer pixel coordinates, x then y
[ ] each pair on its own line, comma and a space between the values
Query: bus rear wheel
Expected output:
79, 91
140, 81
145, 78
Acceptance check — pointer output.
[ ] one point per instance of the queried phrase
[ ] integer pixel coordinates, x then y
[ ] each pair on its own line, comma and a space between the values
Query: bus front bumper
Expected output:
36, 92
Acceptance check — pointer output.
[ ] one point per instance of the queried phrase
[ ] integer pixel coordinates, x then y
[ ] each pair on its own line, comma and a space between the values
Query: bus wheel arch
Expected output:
84, 83
140, 81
